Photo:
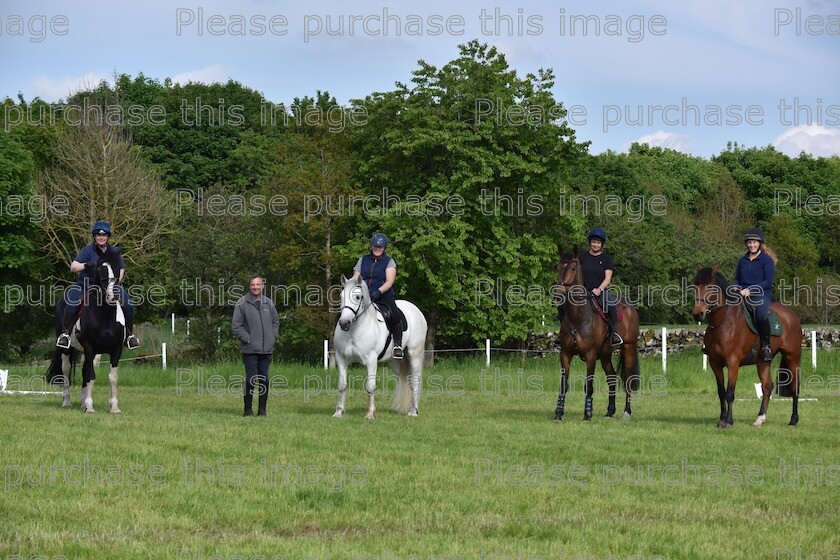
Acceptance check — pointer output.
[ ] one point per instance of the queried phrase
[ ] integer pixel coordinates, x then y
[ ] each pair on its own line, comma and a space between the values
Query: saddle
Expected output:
596, 306
386, 315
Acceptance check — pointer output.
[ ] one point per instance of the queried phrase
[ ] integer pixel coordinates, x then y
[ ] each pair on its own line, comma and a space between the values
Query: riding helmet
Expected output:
597, 233
101, 227
754, 234
379, 239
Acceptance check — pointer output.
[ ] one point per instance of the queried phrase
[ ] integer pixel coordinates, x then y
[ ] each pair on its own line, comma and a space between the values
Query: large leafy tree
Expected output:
468, 162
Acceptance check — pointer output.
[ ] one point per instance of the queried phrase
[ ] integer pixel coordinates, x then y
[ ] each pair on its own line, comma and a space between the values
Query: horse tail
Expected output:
629, 373
402, 396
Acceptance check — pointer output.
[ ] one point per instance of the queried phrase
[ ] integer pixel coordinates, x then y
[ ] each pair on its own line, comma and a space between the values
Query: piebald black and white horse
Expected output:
100, 330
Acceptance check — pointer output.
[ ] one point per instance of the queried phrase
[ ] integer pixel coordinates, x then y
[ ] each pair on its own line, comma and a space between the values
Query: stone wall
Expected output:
681, 338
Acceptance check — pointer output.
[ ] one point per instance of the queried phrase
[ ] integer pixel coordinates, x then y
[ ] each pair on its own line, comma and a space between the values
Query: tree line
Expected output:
207, 184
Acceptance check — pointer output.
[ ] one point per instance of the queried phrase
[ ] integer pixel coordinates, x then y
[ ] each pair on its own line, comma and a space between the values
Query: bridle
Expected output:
359, 310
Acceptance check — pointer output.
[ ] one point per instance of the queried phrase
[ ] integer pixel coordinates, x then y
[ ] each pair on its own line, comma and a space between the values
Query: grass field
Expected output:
483, 473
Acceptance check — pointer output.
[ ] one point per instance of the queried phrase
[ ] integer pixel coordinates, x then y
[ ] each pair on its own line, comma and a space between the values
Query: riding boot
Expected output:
396, 332
764, 333
249, 399
263, 396
612, 314
131, 341
64, 338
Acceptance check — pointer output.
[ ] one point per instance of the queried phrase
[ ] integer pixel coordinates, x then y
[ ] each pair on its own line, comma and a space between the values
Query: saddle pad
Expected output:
775, 324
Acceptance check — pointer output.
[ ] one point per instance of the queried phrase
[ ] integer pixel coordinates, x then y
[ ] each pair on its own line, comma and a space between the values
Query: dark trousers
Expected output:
395, 322
760, 305
256, 369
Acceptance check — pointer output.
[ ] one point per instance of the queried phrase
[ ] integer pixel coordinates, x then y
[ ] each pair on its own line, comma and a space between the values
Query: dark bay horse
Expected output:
729, 341
584, 333
98, 331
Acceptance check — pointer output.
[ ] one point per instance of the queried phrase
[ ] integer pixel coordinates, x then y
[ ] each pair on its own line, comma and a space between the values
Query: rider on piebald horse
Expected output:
84, 264
754, 276
598, 268
379, 271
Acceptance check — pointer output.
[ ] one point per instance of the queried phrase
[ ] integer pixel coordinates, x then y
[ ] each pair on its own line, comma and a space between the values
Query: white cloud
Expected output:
52, 89
662, 139
813, 139
208, 75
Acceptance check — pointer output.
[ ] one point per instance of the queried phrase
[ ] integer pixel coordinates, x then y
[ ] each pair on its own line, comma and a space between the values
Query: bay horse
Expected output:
729, 342
98, 331
362, 337
586, 334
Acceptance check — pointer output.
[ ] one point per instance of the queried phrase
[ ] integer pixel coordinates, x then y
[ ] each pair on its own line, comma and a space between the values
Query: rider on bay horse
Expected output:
598, 268
84, 264
754, 276
379, 272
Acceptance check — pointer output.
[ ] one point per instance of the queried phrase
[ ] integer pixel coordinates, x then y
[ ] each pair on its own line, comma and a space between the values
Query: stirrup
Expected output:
766, 354
132, 342
616, 340
63, 341
397, 354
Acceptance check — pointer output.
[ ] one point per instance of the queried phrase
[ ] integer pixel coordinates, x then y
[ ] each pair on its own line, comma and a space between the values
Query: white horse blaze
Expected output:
363, 341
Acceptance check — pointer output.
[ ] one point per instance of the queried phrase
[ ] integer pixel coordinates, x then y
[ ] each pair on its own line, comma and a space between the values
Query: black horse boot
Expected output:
396, 332
612, 314
130, 340
764, 333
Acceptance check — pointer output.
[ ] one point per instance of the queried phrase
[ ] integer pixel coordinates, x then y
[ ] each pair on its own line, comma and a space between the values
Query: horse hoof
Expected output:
558, 417
587, 418
66, 405
793, 421
89, 411
338, 414
413, 413
609, 414
116, 411
726, 426
626, 416
370, 416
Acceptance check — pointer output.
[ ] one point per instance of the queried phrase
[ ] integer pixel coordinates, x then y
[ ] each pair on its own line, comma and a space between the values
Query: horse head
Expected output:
711, 291
354, 300
106, 273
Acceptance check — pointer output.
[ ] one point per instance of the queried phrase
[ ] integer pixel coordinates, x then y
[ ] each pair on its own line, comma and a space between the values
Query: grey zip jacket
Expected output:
256, 324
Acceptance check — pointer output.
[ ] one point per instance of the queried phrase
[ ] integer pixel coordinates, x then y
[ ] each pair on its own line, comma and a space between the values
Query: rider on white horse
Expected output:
379, 272
84, 265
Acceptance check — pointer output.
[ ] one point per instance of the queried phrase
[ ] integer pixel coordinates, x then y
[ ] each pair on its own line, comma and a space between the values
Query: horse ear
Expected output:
575, 251
699, 267
715, 269
343, 280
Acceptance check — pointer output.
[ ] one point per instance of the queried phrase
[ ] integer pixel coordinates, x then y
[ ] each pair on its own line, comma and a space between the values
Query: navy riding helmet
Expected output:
597, 233
754, 234
379, 239
101, 227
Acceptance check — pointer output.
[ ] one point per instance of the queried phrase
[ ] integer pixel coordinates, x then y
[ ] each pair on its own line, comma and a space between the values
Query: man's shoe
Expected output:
397, 354
63, 341
132, 342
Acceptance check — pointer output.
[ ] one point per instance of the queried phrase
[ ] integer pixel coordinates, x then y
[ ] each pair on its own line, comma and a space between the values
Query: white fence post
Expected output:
4, 376
218, 335
163, 354
173, 323
188, 329
487, 350
326, 354
705, 361
664, 349
814, 349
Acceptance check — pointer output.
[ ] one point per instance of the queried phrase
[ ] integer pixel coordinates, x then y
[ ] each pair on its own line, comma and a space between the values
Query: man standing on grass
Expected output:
256, 325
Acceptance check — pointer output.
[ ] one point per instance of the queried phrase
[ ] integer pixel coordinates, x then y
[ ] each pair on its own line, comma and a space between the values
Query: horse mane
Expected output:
704, 276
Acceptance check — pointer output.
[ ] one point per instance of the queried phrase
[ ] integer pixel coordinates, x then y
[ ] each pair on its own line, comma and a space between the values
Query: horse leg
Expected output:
766, 390
792, 360
612, 383
370, 386
416, 373
565, 362
88, 377
112, 379
65, 372
717, 368
342, 384
732, 381
590, 378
